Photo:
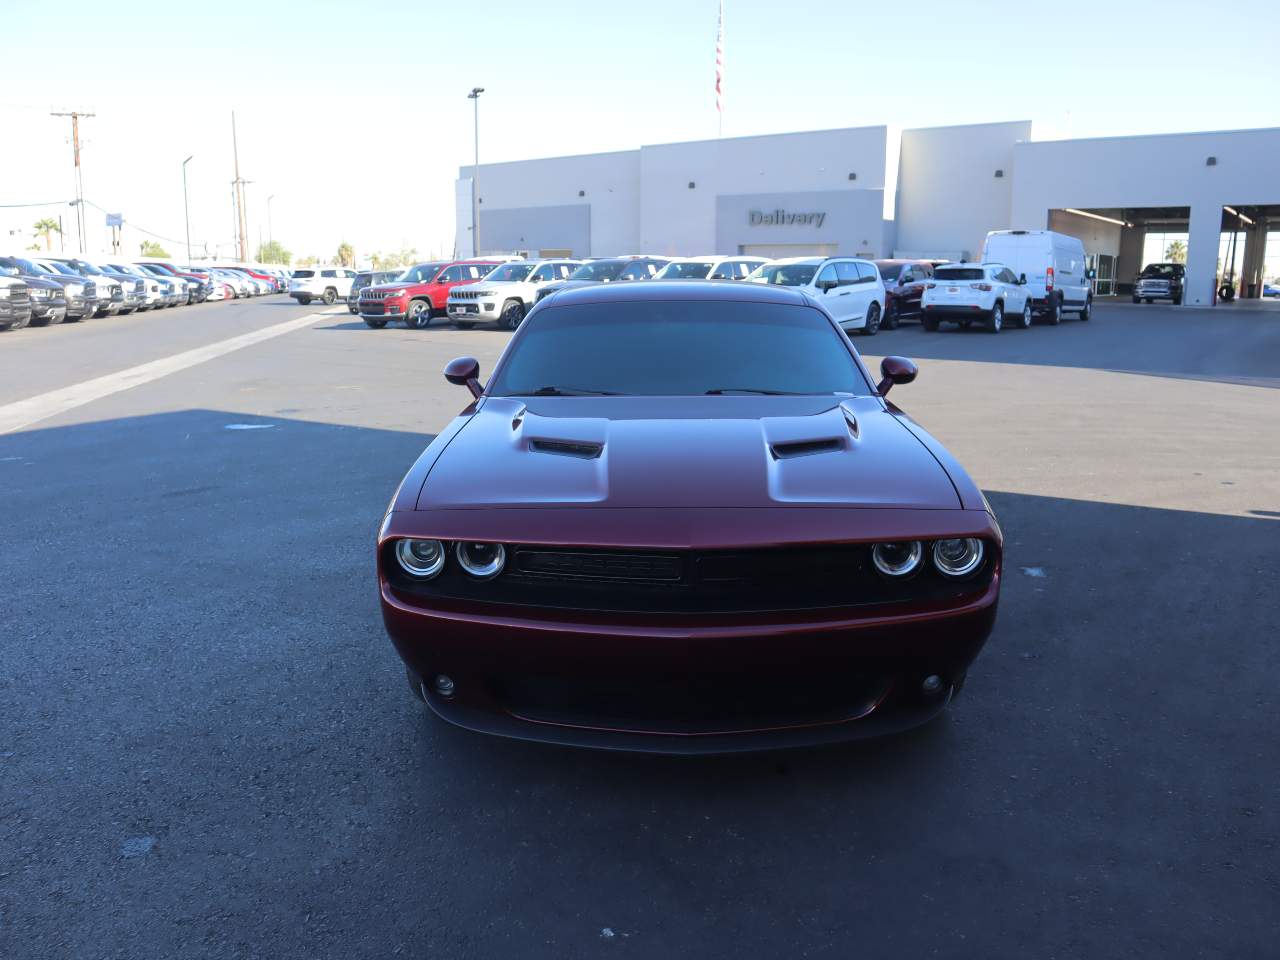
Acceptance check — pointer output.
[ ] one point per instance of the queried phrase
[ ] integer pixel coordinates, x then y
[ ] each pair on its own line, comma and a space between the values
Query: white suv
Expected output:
321, 283
710, 268
965, 292
506, 292
851, 290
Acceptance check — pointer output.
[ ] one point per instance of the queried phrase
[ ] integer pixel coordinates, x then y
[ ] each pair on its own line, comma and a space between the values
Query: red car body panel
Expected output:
693, 477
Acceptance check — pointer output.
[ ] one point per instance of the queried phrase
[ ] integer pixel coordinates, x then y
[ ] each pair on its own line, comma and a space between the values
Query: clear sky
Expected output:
354, 116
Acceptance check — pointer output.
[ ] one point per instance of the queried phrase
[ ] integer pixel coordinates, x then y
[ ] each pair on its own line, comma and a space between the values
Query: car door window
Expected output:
827, 277
867, 272
450, 274
544, 272
723, 272
636, 271
328, 273
846, 273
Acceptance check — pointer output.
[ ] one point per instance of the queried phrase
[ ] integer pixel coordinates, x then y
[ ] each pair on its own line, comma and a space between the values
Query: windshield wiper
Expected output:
767, 393
572, 392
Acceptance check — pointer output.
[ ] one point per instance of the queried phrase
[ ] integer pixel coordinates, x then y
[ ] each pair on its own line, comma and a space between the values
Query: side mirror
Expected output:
1092, 274
895, 370
826, 286
465, 372
1022, 280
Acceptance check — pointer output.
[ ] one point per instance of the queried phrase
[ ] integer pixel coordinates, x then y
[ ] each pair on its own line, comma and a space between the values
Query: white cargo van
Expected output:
1054, 265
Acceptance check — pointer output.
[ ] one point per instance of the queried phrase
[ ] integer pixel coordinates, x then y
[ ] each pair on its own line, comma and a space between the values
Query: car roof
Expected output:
652, 290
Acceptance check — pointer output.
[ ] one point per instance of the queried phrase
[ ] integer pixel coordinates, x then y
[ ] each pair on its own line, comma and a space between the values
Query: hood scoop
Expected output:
805, 448
584, 450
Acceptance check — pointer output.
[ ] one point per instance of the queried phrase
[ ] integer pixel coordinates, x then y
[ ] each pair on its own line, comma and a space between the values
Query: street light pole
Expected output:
186, 206
474, 96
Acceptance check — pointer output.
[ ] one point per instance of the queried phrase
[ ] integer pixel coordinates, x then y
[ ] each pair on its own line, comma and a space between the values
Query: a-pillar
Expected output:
1204, 235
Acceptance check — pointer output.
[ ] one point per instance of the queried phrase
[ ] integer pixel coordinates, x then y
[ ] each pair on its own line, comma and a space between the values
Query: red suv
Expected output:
420, 293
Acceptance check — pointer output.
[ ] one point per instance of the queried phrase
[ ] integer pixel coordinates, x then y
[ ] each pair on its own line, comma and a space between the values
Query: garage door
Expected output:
777, 251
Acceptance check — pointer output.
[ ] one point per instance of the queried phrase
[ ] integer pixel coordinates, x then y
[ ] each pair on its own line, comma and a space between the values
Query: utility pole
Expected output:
271, 234
242, 227
474, 96
75, 116
186, 206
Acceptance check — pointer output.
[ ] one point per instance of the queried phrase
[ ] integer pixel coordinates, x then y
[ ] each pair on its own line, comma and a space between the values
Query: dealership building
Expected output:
1213, 198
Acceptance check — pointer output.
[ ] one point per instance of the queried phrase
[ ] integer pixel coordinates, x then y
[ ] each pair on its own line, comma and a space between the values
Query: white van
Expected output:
1054, 265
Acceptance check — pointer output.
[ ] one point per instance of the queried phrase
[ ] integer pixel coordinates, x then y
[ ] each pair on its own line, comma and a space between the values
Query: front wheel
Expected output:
302, 300
512, 314
872, 326
996, 320
1026, 315
330, 295
419, 315
891, 315
929, 323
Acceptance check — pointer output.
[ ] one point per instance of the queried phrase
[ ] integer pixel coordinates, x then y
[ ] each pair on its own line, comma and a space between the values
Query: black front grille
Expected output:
695, 703
688, 582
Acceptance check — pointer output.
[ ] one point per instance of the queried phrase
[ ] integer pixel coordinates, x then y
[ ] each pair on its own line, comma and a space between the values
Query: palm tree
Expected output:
1176, 252
47, 228
346, 254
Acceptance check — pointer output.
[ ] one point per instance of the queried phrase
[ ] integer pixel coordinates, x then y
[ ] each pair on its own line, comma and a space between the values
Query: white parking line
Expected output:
23, 413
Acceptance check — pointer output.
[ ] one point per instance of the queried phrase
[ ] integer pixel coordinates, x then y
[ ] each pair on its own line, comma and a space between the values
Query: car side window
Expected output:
846, 273
636, 271
827, 277
722, 272
906, 276
867, 272
544, 272
450, 274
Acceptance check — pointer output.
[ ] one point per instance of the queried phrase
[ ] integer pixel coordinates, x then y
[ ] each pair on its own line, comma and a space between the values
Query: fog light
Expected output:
897, 559
932, 684
422, 559
482, 560
444, 685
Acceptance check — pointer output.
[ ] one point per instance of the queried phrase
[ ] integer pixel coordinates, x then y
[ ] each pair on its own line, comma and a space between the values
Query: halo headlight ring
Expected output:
958, 558
898, 559
484, 561
420, 559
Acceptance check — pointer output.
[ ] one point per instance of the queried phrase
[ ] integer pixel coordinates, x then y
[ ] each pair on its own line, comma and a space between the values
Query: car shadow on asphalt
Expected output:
194, 655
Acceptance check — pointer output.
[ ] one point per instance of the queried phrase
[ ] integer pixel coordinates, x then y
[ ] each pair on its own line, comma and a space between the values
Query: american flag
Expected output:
720, 61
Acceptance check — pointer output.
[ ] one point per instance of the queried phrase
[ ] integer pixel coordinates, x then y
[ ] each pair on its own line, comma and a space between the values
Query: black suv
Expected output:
366, 278
80, 298
1160, 281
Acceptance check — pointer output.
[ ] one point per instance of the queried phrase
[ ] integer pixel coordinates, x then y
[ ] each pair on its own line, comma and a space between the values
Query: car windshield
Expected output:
27, 266
419, 273
63, 268
1163, 270
7, 270
958, 273
510, 272
600, 270
889, 271
88, 269
685, 271
785, 274
678, 348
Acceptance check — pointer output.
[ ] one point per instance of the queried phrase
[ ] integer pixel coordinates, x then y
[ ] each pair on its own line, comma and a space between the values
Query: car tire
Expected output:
928, 322
891, 315
872, 324
996, 320
1137, 299
1055, 312
330, 295
512, 314
1177, 301
1087, 311
374, 324
418, 315
1025, 322
302, 300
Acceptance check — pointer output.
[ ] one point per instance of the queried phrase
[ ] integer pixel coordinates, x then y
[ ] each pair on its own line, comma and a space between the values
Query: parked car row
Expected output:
1023, 275
45, 288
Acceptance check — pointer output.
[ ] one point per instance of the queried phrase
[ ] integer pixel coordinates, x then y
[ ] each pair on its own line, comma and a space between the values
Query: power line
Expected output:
51, 203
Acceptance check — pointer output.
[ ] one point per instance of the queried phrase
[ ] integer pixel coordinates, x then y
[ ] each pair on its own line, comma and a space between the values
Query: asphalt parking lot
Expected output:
207, 748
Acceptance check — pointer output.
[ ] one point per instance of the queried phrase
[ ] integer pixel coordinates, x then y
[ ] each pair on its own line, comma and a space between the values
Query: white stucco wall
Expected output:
948, 194
610, 183
1154, 171
678, 221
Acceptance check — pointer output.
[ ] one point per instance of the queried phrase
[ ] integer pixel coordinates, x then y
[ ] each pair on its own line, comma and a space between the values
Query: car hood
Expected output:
701, 452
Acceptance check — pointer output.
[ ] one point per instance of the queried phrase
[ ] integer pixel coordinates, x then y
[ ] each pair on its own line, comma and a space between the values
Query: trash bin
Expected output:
1253, 291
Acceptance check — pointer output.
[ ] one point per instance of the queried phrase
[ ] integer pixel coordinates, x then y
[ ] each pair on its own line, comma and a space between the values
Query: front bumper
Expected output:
474, 310
52, 309
692, 683
14, 312
383, 309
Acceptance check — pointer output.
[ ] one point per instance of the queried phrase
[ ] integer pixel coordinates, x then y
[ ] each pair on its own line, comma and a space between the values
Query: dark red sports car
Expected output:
682, 517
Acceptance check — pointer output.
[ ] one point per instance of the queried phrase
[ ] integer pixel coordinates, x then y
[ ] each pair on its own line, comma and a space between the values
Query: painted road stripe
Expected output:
23, 413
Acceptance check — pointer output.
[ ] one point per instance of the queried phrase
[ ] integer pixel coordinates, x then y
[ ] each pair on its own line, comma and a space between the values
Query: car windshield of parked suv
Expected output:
600, 270
785, 274
28, 266
958, 273
420, 273
689, 270
63, 268
7, 270
510, 272
890, 271
678, 348
1160, 270
86, 269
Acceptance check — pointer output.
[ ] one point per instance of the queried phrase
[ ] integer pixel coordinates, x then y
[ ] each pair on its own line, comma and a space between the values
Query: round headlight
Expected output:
958, 558
897, 559
422, 559
481, 560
